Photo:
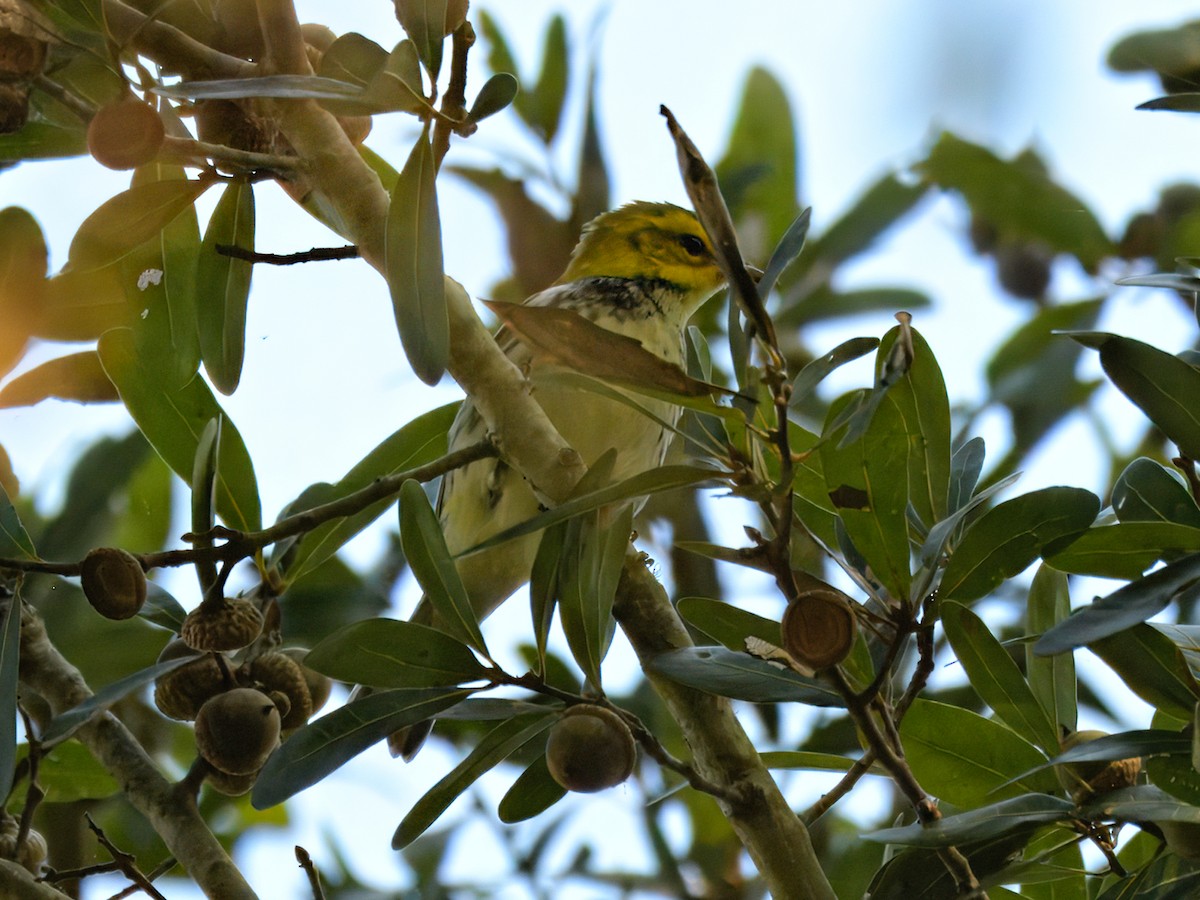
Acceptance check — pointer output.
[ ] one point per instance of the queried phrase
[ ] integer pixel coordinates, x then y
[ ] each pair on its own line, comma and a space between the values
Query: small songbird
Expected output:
641, 271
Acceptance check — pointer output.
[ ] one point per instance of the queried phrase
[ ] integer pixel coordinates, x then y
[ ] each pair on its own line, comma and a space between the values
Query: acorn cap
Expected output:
819, 628
113, 582
278, 673
230, 626
319, 686
230, 785
180, 693
1083, 780
236, 731
589, 749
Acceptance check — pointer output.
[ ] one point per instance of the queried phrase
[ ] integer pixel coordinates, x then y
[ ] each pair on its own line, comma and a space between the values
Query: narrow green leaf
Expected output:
965, 759
820, 762
162, 609
78, 377
223, 286
173, 420
388, 653
413, 262
1186, 102
1051, 678
1163, 386
534, 792
179, 248
417, 443
352, 60
68, 773
819, 369
327, 743
785, 253
741, 676
1143, 803
130, 219
880, 207
500, 743
543, 586
1170, 280
1125, 550
996, 678
1007, 538
542, 105
15, 542
1136, 602
1022, 813
397, 87
428, 22
67, 723
1152, 667
425, 549
496, 94
204, 496
284, 87
10, 660
1148, 491
728, 624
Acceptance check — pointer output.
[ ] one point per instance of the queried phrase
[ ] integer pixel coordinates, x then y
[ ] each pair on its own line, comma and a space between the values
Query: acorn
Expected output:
1083, 780
125, 134
180, 693
1023, 268
589, 749
230, 626
319, 686
32, 852
230, 785
819, 627
278, 673
113, 582
236, 731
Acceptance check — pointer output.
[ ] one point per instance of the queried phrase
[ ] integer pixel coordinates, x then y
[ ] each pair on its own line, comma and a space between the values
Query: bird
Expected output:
641, 270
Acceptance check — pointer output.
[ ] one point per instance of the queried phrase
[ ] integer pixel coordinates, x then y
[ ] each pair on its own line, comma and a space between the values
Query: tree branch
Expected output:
171, 813
17, 883
776, 839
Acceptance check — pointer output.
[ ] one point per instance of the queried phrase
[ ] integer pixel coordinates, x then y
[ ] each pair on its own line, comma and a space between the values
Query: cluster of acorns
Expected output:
240, 707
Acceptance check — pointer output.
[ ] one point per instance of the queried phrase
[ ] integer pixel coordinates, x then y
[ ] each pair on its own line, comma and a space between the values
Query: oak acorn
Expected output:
590, 749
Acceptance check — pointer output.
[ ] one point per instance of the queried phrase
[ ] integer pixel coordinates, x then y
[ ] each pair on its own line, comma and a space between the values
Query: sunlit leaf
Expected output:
389, 653
173, 421
224, 286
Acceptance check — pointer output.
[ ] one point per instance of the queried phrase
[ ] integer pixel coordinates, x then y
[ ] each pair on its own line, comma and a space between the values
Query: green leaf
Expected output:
496, 94
413, 263
534, 792
68, 773
819, 369
1125, 550
330, 741
1051, 678
1018, 199
1186, 102
1148, 491
821, 762
1163, 386
1152, 667
728, 624
162, 609
500, 743
352, 60
66, 723
420, 441
880, 207
15, 542
741, 676
1125, 607
543, 586
996, 678
173, 420
1022, 813
1143, 803
10, 660
426, 552
388, 653
284, 87
428, 22
541, 107
129, 219
23, 263
1007, 538
1174, 773
965, 759
203, 496
398, 85
785, 253
223, 286
589, 569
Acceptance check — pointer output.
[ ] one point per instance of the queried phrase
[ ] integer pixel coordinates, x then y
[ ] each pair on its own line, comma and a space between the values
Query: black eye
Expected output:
693, 245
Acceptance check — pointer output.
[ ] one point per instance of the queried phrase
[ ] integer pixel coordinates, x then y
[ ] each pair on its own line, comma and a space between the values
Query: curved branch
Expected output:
172, 813
18, 884
773, 834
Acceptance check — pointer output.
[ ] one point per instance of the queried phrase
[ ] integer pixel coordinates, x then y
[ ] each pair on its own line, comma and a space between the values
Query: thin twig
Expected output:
314, 877
454, 102
126, 861
316, 254
847, 782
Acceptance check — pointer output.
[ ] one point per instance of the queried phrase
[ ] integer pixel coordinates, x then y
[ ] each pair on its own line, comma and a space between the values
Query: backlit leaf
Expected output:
223, 286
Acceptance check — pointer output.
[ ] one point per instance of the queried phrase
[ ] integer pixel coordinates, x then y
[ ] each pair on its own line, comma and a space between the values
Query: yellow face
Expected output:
648, 240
